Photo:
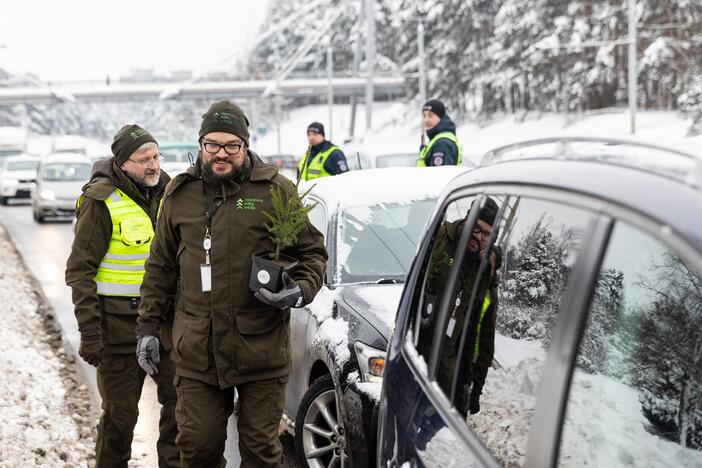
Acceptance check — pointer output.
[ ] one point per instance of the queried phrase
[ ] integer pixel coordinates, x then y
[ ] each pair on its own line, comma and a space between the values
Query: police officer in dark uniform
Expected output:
322, 158
443, 148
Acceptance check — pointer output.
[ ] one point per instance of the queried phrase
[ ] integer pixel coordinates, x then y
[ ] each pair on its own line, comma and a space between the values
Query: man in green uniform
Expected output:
224, 336
115, 227
480, 346
323, 158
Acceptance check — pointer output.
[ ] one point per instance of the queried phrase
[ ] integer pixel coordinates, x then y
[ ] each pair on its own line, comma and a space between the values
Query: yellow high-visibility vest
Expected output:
121, 270
449, 136
315, 168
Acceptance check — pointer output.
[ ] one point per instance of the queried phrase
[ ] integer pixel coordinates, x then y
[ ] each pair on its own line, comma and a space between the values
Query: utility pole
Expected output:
278, 118
422, 63
633, 68
370, 61
330, 97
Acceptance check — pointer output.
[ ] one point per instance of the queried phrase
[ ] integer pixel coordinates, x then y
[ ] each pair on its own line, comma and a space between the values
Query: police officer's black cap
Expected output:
435, 106
316, 127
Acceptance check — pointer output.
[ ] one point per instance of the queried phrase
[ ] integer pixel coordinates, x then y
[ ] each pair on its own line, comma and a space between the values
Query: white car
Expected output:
18, 175
59, 185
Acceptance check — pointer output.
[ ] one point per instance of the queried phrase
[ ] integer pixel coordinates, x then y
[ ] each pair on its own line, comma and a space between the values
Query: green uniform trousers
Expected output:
120, 380
202, 412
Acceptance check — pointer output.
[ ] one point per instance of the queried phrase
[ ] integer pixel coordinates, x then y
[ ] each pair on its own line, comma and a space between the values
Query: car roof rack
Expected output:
667, 162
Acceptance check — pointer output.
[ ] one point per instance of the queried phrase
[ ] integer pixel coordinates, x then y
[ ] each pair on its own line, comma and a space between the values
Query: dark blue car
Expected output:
553, 314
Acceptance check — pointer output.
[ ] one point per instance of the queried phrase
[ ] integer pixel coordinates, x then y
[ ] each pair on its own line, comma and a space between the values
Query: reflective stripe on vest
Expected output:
121, 270
315, 168
483, 311
421, 161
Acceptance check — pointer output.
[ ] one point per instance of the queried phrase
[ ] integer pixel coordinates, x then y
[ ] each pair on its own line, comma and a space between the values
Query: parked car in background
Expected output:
59, 182
18, 176
177, 156
597, 350
408, 160
286, 163
372, 221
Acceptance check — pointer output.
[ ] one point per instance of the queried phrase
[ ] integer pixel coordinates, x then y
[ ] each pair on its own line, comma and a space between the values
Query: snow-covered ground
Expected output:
396, 130
44, 409
604, 422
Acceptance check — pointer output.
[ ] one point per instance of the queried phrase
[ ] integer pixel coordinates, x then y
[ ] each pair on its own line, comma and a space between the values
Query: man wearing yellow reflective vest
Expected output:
479, 349
115, 222
443, 148
322, 158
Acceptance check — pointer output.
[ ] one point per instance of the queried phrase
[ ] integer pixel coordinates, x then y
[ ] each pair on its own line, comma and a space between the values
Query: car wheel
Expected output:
3, 200
38, 217
319, 431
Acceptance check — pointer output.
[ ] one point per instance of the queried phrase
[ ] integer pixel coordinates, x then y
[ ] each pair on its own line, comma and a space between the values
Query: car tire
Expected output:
39, 218
3, 201
319, 432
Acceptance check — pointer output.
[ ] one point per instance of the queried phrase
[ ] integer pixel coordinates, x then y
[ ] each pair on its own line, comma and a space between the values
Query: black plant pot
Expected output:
267, 273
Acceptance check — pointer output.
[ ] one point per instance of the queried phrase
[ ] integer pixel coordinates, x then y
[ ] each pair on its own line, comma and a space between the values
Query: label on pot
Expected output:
263, 277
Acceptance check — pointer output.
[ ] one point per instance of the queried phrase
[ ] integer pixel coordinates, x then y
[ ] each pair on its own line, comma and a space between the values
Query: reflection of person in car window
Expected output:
480, 338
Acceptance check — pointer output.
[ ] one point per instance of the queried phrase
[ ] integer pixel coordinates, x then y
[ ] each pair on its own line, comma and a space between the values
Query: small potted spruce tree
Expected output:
285, 225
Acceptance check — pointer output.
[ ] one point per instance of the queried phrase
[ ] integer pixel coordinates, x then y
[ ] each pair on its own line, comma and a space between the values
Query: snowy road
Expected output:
45, 249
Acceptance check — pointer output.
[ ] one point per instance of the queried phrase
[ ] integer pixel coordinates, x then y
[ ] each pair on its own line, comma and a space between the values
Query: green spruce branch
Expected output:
288, 218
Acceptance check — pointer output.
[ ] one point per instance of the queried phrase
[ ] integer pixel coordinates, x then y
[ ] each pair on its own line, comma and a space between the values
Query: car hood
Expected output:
66, 190
377, 303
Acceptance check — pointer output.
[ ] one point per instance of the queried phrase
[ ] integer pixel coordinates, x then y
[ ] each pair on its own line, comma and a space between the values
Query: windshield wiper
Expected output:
389, 281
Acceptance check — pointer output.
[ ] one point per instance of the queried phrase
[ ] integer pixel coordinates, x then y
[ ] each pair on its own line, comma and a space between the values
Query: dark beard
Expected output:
212, 178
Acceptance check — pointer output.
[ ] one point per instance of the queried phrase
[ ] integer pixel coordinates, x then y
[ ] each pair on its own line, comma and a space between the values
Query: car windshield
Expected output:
378, 242
172, 155
65, 172
22, 165
9, 152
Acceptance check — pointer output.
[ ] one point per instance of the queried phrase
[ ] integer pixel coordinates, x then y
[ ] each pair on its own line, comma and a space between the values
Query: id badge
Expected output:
206, 277
451, 326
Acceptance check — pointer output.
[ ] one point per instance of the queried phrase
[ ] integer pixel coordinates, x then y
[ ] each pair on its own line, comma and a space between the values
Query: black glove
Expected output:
289, 296
91, 343
474, 404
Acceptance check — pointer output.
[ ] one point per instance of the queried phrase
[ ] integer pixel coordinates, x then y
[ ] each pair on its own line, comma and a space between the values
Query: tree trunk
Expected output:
683, 417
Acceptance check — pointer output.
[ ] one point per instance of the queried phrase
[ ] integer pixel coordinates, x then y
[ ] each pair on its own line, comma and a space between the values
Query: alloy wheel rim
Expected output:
323, 436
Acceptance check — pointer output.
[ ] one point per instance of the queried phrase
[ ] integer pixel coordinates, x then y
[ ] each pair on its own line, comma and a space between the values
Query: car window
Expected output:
179, 154
379, 242
636, 394
22, 165
65, 172
486, 347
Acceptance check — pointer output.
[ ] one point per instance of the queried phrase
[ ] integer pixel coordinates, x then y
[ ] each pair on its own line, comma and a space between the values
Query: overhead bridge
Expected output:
352, 86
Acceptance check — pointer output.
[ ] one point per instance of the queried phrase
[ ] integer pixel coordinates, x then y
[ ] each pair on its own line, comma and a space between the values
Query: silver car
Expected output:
372, 221
17, 177
59, 184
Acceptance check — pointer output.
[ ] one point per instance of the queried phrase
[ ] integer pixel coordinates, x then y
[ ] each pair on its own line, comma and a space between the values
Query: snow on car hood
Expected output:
377, 303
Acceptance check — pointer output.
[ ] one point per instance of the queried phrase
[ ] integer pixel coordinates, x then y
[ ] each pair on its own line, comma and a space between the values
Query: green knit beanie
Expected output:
127, 140
225, 116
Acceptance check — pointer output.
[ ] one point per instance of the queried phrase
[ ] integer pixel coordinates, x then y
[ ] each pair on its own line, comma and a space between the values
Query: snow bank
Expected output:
396, 129
37, 429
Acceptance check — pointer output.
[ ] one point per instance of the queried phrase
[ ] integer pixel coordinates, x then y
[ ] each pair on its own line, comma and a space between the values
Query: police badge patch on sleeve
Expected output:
438, 159
342, 166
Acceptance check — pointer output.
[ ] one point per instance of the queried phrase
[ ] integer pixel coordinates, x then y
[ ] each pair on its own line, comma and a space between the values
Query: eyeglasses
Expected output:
147, 162
230, 148
484, 234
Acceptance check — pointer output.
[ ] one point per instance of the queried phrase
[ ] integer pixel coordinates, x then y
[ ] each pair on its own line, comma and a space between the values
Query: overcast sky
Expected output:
89, 39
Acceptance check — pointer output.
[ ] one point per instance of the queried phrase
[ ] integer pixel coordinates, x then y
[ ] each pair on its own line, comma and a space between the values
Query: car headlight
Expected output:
6, 181
371, 362
47, 194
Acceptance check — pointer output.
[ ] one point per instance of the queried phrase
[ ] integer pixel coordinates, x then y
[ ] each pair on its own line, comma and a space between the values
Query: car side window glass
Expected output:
493, 340
638, 372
